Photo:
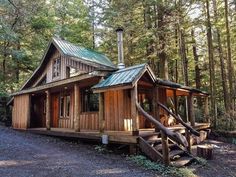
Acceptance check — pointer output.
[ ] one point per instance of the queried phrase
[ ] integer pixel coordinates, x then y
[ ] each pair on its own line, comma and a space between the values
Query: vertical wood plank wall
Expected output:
21, 112
89, 121
117, 110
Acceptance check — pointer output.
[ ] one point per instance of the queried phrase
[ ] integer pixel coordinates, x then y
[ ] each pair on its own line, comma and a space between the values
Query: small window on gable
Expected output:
71, 72
89, 101
56, 68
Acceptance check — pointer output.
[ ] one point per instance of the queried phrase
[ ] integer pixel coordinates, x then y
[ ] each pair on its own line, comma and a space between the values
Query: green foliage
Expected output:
155, 166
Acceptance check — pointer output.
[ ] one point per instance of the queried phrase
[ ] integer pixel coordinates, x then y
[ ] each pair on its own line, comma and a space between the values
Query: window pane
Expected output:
89, 101
67, 106
56, 67
61, 106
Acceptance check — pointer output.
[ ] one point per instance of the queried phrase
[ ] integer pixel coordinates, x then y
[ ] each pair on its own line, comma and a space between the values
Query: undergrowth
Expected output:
162, 169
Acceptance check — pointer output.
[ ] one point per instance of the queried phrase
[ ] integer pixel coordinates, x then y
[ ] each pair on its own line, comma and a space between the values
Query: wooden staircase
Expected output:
151, 145
167, 146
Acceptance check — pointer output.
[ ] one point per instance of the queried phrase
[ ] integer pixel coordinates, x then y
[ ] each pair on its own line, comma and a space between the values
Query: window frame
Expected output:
65, 110
85, 101
56, 68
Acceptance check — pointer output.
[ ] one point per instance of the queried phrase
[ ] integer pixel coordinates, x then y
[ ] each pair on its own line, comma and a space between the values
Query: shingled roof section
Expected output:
82, 53
122, 77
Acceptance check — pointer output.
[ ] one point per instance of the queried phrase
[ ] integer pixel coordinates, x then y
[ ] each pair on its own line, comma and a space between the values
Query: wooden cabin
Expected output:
78, 92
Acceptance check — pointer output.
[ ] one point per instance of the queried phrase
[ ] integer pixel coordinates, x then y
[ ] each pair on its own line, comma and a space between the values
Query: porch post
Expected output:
206, 109
154, 103
191, 109
48, 109
101, 113
176, 102
77, 108
156, 111
134, 113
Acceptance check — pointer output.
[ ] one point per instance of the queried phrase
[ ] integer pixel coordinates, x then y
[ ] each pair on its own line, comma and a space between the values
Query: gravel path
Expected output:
27, 155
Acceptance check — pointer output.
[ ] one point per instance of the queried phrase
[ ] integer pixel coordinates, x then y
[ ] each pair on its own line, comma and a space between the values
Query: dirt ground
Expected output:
27, 155
223, 163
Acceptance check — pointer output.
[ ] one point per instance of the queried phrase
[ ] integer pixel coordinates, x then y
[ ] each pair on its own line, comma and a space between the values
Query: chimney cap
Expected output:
119, 29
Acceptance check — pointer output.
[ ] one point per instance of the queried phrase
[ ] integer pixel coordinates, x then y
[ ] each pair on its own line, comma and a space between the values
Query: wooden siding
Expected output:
89, 121
78, 65
21, 112
117, 110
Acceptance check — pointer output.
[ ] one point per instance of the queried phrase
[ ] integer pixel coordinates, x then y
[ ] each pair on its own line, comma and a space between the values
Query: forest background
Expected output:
192, 42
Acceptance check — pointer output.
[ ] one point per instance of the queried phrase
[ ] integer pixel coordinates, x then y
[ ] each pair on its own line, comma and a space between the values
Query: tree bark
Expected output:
229, 57
211, 64
222, 62
163, 64
197, 68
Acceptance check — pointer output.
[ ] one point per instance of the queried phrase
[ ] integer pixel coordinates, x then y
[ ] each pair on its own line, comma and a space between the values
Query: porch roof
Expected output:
124, 78
182, 90
60, 83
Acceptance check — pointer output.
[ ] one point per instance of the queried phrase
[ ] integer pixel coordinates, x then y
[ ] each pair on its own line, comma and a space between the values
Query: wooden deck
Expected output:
123, 137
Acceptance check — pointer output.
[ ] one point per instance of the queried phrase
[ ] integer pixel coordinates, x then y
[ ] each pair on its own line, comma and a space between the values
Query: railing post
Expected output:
191, 109
165, 149
206, 109
189, 140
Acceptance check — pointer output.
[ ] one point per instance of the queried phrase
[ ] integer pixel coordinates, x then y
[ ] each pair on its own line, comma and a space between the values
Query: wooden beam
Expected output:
77, 108
191, 110
59, 83
28, 112
134, 113
101, 113
113, 88
48, 109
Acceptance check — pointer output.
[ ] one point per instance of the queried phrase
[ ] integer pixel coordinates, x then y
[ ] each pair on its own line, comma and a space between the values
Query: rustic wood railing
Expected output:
179, 119
166, 133
175, 136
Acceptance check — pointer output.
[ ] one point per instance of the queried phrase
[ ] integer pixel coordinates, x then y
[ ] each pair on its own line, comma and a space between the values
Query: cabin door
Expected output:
38, 111
55, 110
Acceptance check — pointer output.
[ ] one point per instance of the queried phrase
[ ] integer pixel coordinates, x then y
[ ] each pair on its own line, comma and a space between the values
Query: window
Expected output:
56, 68
71, 72
65, 106
89, 101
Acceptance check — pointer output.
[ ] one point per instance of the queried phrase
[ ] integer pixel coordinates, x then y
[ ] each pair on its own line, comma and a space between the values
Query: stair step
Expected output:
182, 161
152, 137
154, 142
175, 153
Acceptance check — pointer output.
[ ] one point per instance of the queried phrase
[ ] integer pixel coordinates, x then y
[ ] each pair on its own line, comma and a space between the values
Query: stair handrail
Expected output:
179, 119
175, 136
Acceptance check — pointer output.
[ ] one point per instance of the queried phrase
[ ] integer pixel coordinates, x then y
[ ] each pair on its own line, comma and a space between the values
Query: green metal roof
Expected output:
122, 77
83, 53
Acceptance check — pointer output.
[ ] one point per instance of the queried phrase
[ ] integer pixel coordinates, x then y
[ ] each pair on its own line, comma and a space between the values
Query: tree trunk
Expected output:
163, 64
222, 63
197, 69
150, 44
211, 64
229, 57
